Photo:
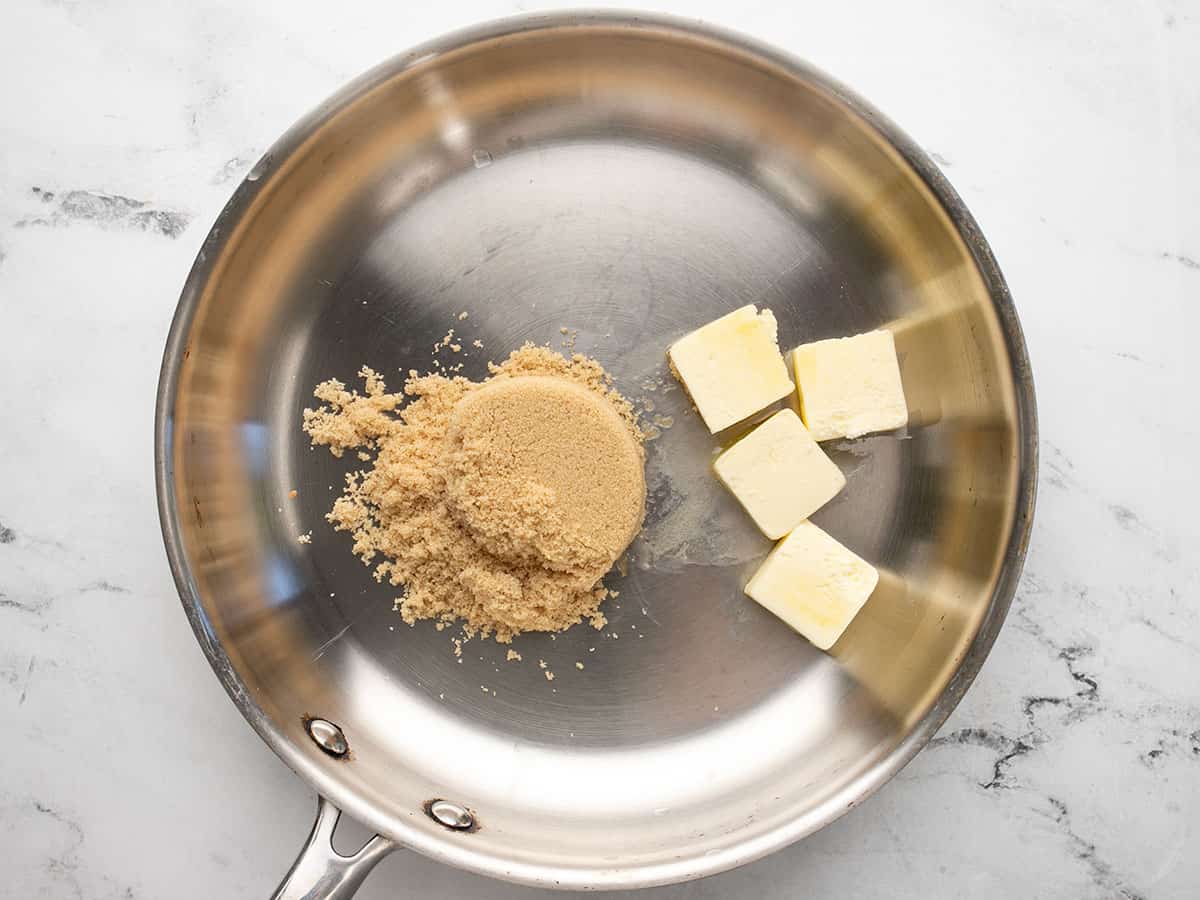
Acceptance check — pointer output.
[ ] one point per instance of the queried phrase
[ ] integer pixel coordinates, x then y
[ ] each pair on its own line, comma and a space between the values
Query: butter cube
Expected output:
814, 584
732, 367
779, 474
851, 386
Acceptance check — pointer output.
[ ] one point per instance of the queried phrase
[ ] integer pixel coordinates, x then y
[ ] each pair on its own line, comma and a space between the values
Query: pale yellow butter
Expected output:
814, 584
851, 386
779, 474
732, 367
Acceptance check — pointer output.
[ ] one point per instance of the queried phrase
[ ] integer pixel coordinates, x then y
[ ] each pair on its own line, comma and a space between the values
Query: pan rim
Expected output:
447, 848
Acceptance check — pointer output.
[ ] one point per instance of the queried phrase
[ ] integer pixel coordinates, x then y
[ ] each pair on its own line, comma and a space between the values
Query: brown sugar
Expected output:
543, 470
502, 503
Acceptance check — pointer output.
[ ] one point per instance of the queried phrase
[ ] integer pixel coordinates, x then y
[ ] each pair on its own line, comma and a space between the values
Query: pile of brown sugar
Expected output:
499, 503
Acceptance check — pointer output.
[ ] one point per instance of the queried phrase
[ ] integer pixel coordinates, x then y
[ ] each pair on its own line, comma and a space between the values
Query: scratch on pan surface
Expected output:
320, 651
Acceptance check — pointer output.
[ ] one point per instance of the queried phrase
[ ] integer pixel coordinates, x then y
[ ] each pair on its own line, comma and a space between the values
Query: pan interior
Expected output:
628, 185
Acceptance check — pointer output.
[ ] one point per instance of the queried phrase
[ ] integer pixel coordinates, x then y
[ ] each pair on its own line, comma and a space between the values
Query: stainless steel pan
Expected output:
629, 178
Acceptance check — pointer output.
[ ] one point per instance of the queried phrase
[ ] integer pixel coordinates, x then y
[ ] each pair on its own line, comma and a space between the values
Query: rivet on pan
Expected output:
451, 814
327, 736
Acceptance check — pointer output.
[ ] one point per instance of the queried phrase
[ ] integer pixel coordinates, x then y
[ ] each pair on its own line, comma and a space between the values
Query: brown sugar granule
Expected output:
348, 420
501, 503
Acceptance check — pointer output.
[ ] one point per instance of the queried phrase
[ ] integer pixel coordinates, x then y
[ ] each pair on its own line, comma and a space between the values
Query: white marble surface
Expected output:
1071, 770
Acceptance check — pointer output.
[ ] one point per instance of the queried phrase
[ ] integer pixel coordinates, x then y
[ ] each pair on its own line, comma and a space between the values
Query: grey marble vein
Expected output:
1186, 261
105, 210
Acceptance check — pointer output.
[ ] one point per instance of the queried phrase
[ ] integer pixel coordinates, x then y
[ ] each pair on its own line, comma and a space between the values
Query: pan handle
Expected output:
320, 872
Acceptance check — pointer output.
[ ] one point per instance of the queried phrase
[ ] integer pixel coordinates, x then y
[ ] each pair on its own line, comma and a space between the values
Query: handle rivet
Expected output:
327, 736
452, 815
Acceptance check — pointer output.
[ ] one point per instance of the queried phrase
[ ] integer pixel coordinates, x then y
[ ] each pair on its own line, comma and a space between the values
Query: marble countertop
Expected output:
1071, 769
